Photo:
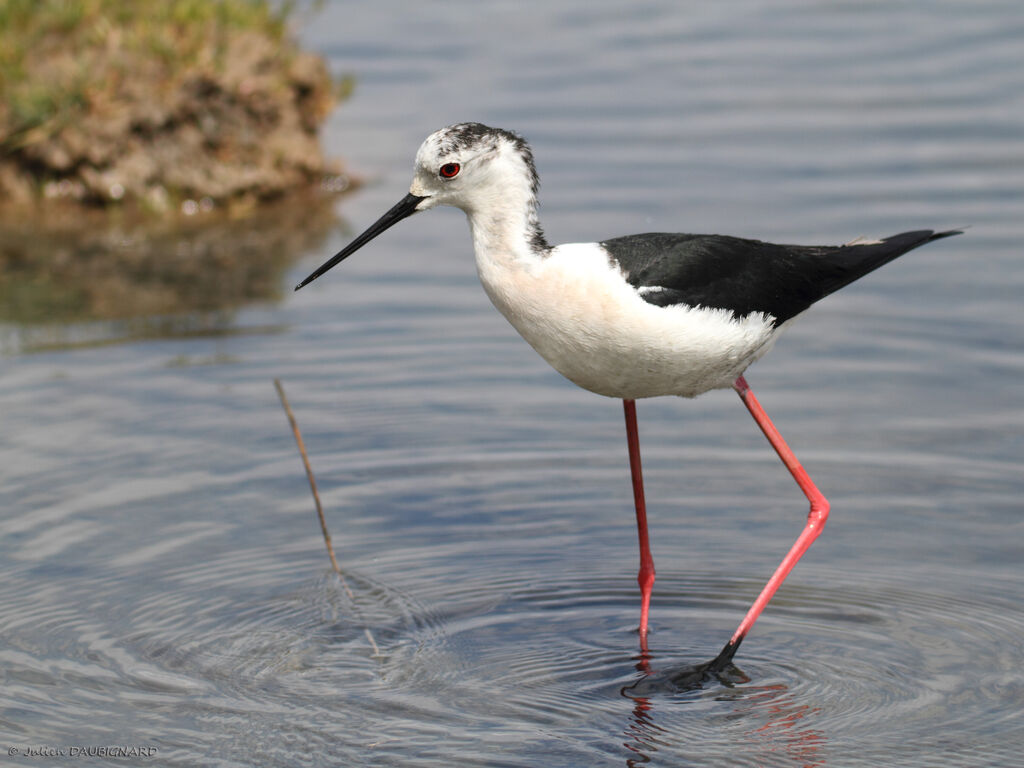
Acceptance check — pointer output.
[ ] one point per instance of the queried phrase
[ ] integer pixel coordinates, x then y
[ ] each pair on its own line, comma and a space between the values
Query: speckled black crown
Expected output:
477, 135
463, 136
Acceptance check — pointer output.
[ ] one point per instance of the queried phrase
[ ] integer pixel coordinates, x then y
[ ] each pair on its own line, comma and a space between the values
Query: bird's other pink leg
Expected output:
815, 519
646, 576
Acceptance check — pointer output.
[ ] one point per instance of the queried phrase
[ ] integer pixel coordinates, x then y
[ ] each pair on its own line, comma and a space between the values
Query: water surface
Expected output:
164, 581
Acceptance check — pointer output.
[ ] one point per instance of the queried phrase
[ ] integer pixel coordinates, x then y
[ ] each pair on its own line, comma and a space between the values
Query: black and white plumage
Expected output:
630, 317
636, 316
746, 276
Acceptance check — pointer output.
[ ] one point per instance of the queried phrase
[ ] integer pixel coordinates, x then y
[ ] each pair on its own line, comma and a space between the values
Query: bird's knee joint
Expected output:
819, 512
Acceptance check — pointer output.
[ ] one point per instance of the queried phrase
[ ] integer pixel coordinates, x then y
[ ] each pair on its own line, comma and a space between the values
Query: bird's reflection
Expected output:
777, 727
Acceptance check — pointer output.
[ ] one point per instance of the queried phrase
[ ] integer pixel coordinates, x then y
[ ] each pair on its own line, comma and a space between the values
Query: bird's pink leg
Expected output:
646, 576
815, 520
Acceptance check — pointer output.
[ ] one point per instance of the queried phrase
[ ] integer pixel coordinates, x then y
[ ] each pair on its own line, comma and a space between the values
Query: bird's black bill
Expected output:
405, 207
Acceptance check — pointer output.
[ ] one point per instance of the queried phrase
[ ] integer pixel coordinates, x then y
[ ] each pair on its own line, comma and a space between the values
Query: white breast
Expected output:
577, 310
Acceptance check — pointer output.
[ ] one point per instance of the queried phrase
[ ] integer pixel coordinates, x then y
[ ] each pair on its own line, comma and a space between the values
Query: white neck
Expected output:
505, 228
509, 247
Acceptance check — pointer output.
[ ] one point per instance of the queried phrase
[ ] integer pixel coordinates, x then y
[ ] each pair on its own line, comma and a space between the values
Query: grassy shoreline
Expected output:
183, 105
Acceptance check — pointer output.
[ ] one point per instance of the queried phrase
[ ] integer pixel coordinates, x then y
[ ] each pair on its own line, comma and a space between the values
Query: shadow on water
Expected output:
87, 278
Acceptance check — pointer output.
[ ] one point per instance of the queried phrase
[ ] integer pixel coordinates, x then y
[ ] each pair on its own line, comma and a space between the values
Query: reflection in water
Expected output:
88, 278
777, 734
643, 734
784, 731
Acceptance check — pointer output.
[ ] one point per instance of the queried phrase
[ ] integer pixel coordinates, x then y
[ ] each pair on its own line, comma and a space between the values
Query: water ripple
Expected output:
163, 579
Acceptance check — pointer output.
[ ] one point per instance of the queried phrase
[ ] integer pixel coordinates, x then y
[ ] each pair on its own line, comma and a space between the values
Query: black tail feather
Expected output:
856, 260
746, 276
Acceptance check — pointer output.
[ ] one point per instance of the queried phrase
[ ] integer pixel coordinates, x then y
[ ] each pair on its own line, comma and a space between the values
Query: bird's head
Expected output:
468, 165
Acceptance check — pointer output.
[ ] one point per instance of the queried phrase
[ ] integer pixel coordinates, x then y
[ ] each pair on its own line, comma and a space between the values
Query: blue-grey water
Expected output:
163, 582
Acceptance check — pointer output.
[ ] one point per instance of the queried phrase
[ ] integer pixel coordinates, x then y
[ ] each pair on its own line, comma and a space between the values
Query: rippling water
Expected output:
164, 582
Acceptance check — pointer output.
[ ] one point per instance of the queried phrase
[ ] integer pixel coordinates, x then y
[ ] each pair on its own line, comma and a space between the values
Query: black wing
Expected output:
748, 276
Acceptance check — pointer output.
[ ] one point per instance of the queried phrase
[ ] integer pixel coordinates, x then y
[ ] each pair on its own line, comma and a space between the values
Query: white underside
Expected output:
577, 310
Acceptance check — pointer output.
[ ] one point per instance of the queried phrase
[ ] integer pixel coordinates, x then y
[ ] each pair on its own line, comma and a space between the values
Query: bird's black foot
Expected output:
690, 677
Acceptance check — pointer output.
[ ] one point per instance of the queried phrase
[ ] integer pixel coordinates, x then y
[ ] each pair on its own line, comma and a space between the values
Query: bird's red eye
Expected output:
449, 170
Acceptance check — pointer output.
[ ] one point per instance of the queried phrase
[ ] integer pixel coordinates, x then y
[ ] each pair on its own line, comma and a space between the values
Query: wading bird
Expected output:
636, 316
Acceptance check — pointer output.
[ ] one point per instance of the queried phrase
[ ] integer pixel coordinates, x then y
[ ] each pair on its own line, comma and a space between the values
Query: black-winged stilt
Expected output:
636, 316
